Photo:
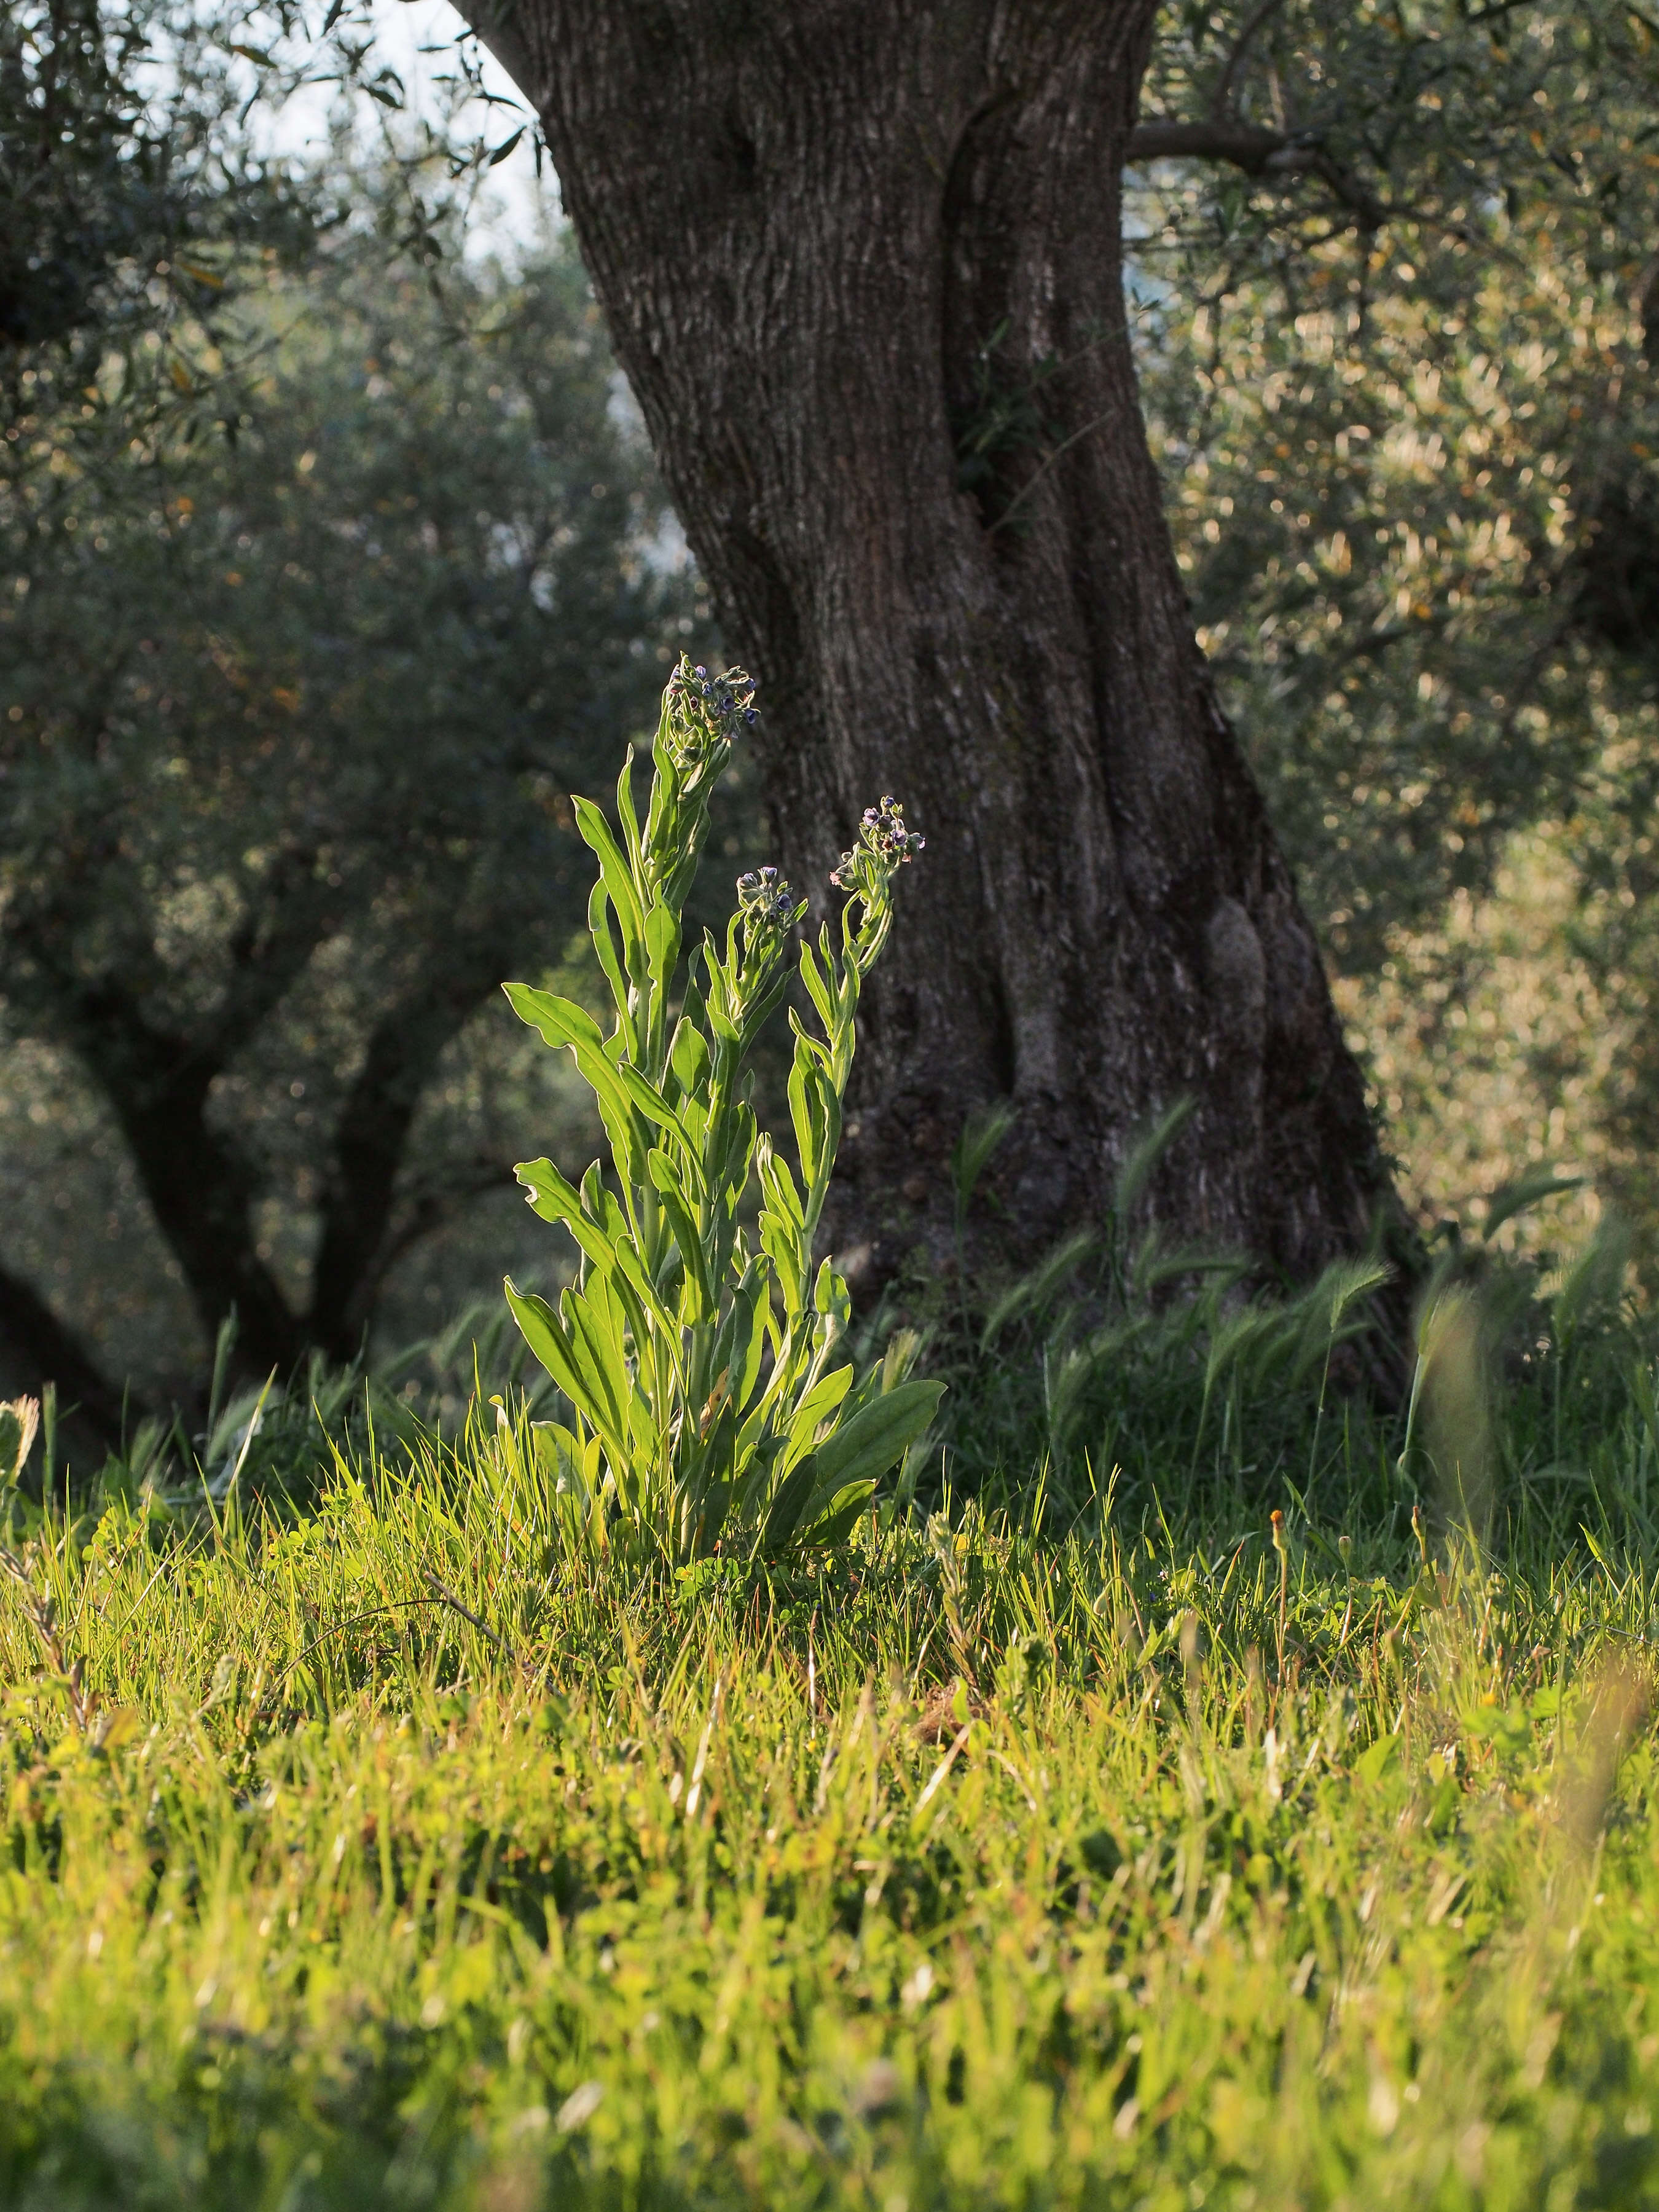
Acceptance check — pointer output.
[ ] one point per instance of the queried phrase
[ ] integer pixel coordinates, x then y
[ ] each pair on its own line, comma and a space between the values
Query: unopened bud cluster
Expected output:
707, 712
883, 844
765, 899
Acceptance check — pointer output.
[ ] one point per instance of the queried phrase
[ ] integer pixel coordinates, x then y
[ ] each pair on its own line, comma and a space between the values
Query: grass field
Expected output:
365, 1857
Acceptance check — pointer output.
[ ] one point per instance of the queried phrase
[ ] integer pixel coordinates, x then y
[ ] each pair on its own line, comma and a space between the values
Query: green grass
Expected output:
987, 1866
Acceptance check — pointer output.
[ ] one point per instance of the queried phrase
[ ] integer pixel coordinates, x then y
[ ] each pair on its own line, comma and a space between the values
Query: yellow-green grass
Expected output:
980, 1866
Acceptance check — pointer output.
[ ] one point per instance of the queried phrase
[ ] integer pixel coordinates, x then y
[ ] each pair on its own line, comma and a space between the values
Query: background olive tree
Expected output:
1390, 276
958, 508
291, 721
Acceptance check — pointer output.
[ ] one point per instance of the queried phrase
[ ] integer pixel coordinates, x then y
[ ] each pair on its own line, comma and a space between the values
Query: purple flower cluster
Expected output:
765, 899
883, 840
728, 699
705, 711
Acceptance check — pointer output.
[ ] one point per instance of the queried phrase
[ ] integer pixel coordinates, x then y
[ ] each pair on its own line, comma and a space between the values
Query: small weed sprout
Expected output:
712, 1398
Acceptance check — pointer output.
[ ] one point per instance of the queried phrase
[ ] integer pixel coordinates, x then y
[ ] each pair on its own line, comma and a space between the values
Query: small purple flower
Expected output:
706, 711
884, 844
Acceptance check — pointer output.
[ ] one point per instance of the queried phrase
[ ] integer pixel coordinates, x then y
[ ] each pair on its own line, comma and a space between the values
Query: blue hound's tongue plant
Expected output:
712, 1397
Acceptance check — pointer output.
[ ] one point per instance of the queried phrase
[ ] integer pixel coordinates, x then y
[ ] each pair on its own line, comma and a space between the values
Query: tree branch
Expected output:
271, 947
427, 1210
156, 1078
157, 1083
1218, 138
357, 1244
1259, 153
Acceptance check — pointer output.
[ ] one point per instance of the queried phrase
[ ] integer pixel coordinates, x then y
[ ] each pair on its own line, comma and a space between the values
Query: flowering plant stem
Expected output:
712, 1402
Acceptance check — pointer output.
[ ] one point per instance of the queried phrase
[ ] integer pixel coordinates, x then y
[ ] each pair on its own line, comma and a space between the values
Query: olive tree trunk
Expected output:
861, 262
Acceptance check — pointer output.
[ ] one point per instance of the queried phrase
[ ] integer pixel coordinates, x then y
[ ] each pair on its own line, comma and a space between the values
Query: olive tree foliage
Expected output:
1397, 296
1398, 301
116, 201
132, 197
287, 721
1392, 270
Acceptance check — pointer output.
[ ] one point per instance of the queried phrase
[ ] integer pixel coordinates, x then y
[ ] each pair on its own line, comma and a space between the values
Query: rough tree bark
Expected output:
861, 262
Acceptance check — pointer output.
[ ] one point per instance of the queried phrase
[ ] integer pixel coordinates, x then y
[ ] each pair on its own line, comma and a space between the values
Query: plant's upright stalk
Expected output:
661, 1344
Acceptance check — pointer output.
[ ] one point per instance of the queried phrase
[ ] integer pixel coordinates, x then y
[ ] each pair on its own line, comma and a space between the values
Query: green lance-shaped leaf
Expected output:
823, 1399
688, 1055
782, 1224
569, 1361
834, 1524
662, 943
820, 1499
596, 1323
604, 948
622, 1130
640, 1294
740, 1342
778, 1183
573, 1465
711, 1518
629, 818
876, 1438
816, 968
684, 1230
808, 1111
789, 1502
606, 1244
732, 1151
617, 880
557, 1200
561, 1021
644, 1095
830, 1295
564, 1024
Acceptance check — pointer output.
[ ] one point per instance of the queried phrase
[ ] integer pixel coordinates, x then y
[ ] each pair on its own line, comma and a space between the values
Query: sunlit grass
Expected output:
388, 1863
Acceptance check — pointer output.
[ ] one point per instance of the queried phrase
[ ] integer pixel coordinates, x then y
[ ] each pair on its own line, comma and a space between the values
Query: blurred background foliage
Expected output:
293, 722
304, 649
1396, 359
331, 562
